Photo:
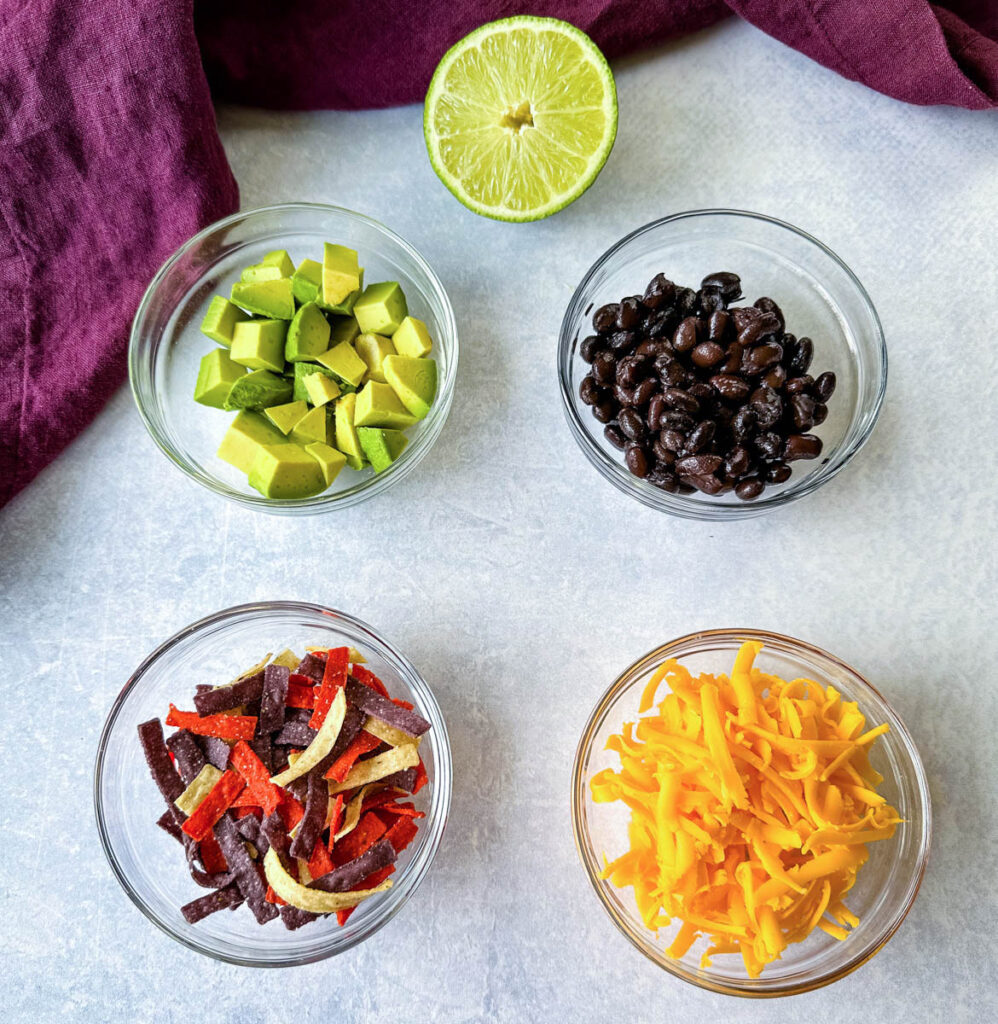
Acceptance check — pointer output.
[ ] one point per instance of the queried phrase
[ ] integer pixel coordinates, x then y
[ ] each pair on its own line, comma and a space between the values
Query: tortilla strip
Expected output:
298, 895
288, 659
199, 788
391, 761
388, 711
388, 733
351, 813
319, 747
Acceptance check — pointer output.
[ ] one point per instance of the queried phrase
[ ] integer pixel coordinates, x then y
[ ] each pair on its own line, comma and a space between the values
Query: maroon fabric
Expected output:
109, 157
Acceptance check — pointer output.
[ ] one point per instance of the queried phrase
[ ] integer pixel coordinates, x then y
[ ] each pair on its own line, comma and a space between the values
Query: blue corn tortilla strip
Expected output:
203, 878
342, 879
379, 749
242, 866
384, 710
404, 779
264, 749
295, 734
216, 751
225, 698
314, 819
161, 767
276, 834
312, 666
249, 828
272, 699
353, 721
189, 758
295, 917
199, 909
168, 823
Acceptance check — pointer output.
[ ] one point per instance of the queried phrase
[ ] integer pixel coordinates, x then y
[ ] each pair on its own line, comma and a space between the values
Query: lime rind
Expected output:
483, 164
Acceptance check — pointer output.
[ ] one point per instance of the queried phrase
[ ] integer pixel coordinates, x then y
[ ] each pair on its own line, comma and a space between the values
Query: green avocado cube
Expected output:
373, 348
412, 338
330, 460
286, 417
247, 433
258, 272
268, 298
286, 471
220, 320
312, 427
381, 308
308, 334
321, 389
340, 273
306, 281
258, 390
344, 362
259, 344
344, 328
216, 375
414, 381
382, 447
379, 406
302, 371
346, 433
279, 258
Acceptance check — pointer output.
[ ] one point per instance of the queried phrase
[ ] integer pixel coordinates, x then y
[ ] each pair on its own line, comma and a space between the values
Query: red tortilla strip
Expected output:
213, 806
211, 855
402, 703
421, 777
335, 819
290, 810
258, 785
224, 727
333, 679
361, 744
300, 695
369, 830
368, 678
342, 916
320, 863
246, 812
272, 897
402, 810
401, 834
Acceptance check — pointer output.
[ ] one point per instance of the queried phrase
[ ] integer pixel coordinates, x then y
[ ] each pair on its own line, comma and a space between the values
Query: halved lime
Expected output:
520, 117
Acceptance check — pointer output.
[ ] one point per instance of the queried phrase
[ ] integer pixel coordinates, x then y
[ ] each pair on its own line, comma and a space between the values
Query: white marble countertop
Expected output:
520, 583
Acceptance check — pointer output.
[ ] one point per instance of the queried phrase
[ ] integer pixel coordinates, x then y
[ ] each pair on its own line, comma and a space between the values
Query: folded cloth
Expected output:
110, 158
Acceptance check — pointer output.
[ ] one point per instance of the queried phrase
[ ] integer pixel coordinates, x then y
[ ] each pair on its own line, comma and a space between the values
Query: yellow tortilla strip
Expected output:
351, 813
200, 787
391, 761
318, 902
288, 659
388, 733
320, 746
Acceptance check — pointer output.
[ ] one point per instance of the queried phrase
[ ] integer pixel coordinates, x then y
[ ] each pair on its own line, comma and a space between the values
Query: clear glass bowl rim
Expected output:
677, 504
413, 453
435, 822
689, 644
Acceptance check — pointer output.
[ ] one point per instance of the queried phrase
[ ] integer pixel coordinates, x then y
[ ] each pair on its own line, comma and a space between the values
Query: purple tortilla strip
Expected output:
314, 819
379, 749
312, 666
353, 720
297, 715
168, 823
189, 759
295, 917
276, 835
264, 749
377, 856
295, 734
403, 779
216, 751
158, 758
242, 866
207, 881
384, 710
203, 688
200, 908
272, 699
249, 828
225, 698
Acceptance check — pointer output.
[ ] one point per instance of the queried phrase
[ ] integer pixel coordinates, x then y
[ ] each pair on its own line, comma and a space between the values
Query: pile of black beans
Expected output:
701, 395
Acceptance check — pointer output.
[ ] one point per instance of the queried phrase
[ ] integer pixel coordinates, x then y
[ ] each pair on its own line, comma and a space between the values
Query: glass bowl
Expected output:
166, 343
820, 297
886, 885
149, 864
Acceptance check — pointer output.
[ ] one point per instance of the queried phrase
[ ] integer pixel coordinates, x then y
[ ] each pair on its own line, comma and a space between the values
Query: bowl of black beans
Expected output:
701, 402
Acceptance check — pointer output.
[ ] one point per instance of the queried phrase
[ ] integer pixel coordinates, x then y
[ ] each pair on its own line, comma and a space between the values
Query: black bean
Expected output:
589, 390
749, 489
760, 358
605, 409
709, 302
775, 378
673, 374
704, 393
623, 341
686, 301
768, 444
662, 478
637, 460
655, 409
701, 437
768, 406
738, 462
796, 385
684, 488
660, 324
698, 465
825, 385
744, 423
630, 313
778, 472
605, 318
717, 325
673, 440
662, 453
614, 435
761, 327
801, 446
631, 424
707, 353
605, 368
686, 334
673, 419
589, 347
803, 353
644, 391
675, 398
649, 348
630, 371
733, 360
728, 284
707, 484
625, 396
802, 411
820, 413
767, 305
742, 316
660, 292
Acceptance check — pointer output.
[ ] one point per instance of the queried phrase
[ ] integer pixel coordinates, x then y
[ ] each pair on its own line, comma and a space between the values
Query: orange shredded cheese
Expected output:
752, 803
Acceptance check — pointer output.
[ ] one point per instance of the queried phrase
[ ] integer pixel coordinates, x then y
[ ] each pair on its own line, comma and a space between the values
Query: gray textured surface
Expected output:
520, 583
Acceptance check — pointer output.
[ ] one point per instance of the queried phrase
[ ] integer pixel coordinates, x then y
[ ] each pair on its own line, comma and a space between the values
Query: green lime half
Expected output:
520, 117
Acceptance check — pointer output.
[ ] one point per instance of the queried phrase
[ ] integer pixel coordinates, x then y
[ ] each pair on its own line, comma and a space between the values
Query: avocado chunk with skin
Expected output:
247, 434
286, 417
344, 362
321, 389
216, 375
308, 334
382, 447
302, 371
340, 273
330, 460
373, 348
381, 308
306, 281
258, 390
279, 258
312, 427
286, 471
343, 328
259, 344
414, 381
346, 433
220, 320
268, 298
379, 406
412, 338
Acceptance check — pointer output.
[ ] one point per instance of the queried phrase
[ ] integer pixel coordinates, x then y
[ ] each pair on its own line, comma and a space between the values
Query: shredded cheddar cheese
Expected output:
752, 803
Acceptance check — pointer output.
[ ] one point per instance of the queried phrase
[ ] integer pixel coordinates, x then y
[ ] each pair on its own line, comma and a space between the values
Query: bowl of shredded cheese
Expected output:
751, 812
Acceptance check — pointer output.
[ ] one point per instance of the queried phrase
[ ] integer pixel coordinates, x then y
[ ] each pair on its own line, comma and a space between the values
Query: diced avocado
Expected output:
221, 319
308, 334
286, 471
414, 381
412, 338
259, 272
381, 308
330, 460
259, 344
216, 375
344, 362
340, 273
246, 435
312, 427
302, 371
286, 417
306, 282
321, 389
344, 308
382, 447
346, 433
344, 328
268, 298
258, 390
279, 258
373, 348
379, 406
